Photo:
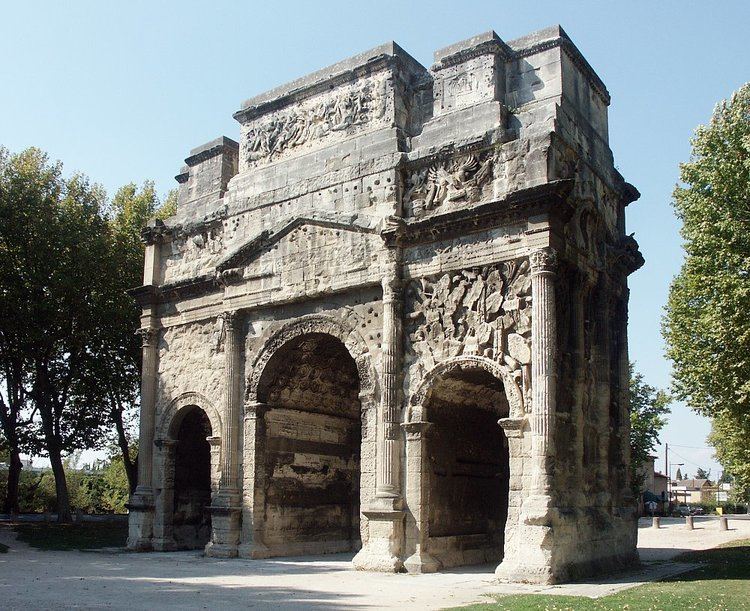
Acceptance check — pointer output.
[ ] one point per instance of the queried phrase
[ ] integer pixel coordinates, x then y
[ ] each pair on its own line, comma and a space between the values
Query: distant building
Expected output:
654, 488
693, 491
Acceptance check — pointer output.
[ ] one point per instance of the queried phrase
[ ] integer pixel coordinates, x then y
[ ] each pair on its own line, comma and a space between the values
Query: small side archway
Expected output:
458, 483
188, 461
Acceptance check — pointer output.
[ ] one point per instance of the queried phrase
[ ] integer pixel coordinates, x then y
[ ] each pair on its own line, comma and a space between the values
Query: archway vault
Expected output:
422, 394
277, 336
172, 414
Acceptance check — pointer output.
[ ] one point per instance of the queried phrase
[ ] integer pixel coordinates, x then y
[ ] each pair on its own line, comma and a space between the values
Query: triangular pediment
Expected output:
254, 247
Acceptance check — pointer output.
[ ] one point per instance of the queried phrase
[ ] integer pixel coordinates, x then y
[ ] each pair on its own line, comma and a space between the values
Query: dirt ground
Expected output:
113, 579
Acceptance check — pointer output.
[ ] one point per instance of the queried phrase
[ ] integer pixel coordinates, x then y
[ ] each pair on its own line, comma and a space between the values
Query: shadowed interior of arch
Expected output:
468, 468
312, 447
191, 519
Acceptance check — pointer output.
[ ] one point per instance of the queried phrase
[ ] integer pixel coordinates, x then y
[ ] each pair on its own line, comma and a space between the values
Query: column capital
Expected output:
543, 260
232, 319
148, 336
255, 409
165, 444
416, 430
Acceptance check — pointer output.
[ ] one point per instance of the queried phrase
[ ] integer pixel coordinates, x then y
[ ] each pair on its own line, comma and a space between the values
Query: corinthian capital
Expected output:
543, 260
231, 320
148, 335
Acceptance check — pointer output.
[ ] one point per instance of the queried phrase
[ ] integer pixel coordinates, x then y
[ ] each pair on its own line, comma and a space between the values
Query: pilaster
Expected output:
417, 499
141, 505
253, 499
225, 507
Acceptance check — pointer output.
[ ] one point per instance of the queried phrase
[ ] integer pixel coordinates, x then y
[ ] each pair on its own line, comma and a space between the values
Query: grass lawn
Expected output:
722, 583
86, 535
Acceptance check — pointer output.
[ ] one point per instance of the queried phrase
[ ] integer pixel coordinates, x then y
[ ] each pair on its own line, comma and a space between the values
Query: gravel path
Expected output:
32, 579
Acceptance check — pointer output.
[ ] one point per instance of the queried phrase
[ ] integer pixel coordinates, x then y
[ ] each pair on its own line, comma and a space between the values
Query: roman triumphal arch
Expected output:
391, 319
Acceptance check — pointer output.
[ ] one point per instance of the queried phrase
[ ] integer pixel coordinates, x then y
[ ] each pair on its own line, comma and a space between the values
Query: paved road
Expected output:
32, 579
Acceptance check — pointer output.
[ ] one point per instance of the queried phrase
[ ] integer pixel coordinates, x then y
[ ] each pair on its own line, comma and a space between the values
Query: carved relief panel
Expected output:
482, 312
447, 183
313, 121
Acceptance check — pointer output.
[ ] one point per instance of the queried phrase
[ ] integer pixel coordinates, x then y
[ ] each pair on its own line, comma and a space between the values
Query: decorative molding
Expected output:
277, 337
169, 420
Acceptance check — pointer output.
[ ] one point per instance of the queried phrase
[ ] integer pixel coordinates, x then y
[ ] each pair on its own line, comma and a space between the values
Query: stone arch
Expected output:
421, 396
331, 511
458, 489
166, 532
276, 338
171, 417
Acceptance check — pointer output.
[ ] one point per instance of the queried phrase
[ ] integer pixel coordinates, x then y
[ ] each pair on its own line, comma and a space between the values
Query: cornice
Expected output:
552, 197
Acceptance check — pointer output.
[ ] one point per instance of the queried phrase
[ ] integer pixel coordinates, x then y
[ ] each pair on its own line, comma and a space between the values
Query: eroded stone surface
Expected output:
400, 300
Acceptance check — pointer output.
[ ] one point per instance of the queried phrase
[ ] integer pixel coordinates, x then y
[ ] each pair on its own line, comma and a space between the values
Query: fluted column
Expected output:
229, 484
388, 467
225, 508
543, 372
141, 503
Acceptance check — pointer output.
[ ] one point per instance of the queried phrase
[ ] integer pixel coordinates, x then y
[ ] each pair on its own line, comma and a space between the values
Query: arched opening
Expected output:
191, 520
468, 468
311, 470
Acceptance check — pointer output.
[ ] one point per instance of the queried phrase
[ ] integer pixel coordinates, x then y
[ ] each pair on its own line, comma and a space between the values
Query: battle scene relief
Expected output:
478, 312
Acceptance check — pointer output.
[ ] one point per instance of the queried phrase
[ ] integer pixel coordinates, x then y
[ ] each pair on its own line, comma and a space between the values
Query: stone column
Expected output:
253, 500
163, 532
385, 516
543, 366
141, 505
531, 549
389, 451
417, 498
225, 508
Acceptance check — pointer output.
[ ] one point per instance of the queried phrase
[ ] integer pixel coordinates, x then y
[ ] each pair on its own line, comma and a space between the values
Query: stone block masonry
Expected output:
392, 319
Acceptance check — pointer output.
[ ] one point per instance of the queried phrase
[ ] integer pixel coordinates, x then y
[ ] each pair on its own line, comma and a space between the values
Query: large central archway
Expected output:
311, 464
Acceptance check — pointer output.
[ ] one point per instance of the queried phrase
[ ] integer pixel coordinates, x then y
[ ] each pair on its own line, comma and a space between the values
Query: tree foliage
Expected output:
69, 360
706, 325
648, 408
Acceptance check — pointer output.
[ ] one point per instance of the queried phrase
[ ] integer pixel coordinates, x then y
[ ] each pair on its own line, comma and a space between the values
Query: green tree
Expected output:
648, 408
706, 325
116, 378
701, 473
55, 258
678, 475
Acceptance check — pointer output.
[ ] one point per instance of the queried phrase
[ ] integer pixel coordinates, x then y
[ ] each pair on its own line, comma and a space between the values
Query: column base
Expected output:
164, 545
225, 526
141, 520
256, 551
421, 562
382, 550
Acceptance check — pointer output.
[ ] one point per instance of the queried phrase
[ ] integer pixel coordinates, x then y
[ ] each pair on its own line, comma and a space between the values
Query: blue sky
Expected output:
122, 91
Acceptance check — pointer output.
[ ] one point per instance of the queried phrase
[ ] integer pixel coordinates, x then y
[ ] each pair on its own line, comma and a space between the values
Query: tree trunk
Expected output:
131, 468
61, 484
54, 450
14, 477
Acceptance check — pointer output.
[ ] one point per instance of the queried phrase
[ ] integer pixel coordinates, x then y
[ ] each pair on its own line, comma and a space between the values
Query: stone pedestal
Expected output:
385, 538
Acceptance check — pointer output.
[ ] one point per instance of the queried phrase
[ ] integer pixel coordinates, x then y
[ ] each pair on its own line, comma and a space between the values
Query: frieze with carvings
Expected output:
482, 312
458, 180
285, 131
